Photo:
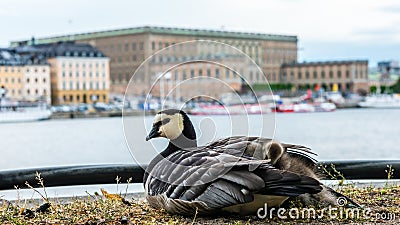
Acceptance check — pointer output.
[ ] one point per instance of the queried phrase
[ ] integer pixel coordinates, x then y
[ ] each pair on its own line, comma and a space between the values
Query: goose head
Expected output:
174, 125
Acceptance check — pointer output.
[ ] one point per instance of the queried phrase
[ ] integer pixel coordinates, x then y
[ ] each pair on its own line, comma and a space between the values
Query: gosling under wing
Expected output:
210, 181
243, 146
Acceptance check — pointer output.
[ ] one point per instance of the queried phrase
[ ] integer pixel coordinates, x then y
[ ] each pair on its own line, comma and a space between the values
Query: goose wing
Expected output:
207, 180
240, 146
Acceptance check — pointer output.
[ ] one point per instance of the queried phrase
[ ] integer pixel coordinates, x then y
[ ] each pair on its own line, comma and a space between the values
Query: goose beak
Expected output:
153, 133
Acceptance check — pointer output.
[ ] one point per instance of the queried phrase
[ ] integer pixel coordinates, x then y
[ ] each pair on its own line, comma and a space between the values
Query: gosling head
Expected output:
174, 125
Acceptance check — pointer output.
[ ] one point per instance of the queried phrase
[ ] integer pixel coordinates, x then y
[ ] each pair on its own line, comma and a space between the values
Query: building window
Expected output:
70, 85
77, 85
97, 86
227, 72
44, 80
192, 73
217, 73
84, 74
27, 80
323, 74
300, 76
339, 74
331, 74
134, 58
70, 74
315, 75
208, 72
64, 86
78, 98
77, 74
134, 46
307, 75
347, 74
153, 45
200, 72
184, 75
176, 75
104, 85
28, 91
71, 98
159, 45
141, 45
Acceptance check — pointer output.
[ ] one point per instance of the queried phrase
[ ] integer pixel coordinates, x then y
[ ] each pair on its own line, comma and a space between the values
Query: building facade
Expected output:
128, 48
79, 73
24, 80
347, 76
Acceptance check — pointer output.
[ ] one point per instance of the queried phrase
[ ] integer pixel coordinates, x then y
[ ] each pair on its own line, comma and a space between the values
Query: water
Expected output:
342, 135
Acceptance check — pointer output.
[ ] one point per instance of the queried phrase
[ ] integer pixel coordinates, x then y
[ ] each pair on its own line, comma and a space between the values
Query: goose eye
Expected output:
165, 121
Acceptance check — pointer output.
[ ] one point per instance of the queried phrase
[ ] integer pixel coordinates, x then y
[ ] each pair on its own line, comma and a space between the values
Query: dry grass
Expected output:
110, 209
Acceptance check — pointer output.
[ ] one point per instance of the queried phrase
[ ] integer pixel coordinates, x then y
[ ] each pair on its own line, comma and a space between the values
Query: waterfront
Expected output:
341, 135
344, 134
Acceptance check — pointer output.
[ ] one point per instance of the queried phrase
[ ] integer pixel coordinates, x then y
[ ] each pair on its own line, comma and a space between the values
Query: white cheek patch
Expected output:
173, 128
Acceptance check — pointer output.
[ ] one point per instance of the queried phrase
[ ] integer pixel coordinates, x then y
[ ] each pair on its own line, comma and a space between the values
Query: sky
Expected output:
326, 29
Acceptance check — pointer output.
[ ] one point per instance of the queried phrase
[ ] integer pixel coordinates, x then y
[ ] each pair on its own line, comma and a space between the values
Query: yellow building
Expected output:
79, 72
11, 79
24, 80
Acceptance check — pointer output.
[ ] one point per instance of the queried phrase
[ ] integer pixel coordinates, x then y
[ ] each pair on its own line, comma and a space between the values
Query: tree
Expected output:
396, 87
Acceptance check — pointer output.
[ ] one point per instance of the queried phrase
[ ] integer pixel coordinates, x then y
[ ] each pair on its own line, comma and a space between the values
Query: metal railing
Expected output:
106, 174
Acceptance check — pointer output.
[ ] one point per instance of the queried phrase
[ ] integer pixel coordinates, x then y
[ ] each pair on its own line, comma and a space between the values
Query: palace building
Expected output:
275, 56
345, 76
128, 48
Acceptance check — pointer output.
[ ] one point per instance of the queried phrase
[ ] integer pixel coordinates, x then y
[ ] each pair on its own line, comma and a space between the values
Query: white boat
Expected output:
381, 101
13, 111
24, 114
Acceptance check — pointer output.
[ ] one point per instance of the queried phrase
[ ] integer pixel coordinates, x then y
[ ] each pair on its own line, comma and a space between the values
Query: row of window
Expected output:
14, 69
36, 80
83, 98
132, 58
127, 47
77, 74
83, 54
83, 64
12, 80
84, 86
37, 92
322, 75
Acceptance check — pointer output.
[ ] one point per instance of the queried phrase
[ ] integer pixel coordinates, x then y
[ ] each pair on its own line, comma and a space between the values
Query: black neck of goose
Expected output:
186, 140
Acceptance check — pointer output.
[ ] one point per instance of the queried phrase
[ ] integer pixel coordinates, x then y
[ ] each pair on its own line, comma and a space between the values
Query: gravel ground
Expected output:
105, 208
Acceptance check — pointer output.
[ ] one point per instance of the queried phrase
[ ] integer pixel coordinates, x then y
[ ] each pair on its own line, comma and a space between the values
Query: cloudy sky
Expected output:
327, 29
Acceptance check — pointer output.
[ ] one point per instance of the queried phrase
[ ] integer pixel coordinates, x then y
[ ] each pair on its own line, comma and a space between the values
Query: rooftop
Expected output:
8, 57
67, 49
338, 62
159, 30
